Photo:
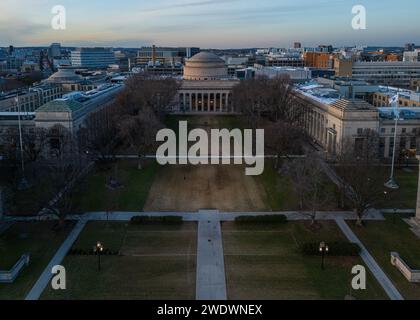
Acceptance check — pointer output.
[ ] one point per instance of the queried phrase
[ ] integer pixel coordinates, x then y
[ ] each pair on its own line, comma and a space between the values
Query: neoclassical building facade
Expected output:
206, 87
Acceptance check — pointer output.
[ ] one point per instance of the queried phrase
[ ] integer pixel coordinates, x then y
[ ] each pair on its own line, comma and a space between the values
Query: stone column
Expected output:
227, 102
196, 101
209, 101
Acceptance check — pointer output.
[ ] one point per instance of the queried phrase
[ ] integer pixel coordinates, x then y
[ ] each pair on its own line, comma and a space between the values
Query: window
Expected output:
404, 130
383, 130
360, 131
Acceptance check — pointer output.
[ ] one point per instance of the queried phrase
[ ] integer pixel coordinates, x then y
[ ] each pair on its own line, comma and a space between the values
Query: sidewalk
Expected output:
376, 270
46, 275
211, 279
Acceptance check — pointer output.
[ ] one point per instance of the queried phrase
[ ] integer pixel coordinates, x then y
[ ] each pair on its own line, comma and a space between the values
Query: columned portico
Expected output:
206, 87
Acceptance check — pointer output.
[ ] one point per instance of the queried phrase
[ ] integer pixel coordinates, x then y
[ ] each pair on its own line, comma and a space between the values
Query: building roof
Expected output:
61, 105
206, 57
65, 75
354, 104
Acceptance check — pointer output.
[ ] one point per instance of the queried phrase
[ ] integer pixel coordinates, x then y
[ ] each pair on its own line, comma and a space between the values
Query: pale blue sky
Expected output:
209, 23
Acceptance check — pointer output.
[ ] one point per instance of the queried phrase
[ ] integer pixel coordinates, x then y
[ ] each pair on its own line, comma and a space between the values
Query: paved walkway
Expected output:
211, 281
376, 270
222, 216
46, 275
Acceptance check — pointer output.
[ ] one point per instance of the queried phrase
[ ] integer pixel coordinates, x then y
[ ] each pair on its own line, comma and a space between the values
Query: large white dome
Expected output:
205, 66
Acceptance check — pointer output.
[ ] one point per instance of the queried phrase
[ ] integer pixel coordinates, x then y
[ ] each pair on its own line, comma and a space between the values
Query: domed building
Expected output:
205, 66
207, 87
69, 80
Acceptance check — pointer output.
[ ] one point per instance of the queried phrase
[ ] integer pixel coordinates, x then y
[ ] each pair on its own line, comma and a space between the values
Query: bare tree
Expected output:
99, 135
64, 169
145, 92
265, 97
361, 180
139, 132
284, 139
308, 181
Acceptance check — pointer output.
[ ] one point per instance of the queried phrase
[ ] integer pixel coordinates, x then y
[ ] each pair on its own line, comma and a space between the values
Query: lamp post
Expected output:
323, 249
392, 183
23, 184
98, 250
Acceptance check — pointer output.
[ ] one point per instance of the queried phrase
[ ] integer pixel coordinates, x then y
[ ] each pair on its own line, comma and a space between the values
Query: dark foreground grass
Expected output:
383, 237
40, 241
155, 262
263, 262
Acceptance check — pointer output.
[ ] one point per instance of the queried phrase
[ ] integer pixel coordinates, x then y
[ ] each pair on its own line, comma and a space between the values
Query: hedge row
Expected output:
91, 252
261, 219
342, 249
151, 220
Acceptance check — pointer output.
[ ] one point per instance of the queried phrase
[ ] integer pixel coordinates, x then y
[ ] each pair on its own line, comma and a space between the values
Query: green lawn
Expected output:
262, 262
405, 197
156, 262
93, 195
282, 197
383, 237
40, 241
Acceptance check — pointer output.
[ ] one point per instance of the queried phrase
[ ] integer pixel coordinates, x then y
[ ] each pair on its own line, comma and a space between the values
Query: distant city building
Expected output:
409, 47
29, 99
398, 73
295, 74
55, 51
92, 58
319, 60
285, 59
412, 56
406, 98
297, 45
164, 55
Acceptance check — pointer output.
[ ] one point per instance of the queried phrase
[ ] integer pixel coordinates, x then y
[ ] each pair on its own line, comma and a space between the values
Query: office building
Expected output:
92, 58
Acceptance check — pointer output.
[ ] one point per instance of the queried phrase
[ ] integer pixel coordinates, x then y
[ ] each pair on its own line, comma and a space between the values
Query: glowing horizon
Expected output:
208, 23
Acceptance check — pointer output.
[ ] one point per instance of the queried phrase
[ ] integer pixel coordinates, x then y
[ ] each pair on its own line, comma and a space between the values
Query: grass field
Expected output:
282, 197
191, 188
93, 195
383, 237
406, 196
156, 262
40, 241
262, 262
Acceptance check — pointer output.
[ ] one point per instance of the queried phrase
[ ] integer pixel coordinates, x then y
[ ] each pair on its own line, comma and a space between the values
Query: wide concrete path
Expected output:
46, 275
211, 281
376, 270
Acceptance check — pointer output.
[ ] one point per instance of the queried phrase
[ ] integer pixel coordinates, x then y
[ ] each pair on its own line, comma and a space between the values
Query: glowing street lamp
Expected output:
323, 249
99, 248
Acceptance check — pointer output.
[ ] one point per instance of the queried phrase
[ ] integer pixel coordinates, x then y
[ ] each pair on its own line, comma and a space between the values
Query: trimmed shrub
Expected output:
335, 249
280, 219
157, 220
